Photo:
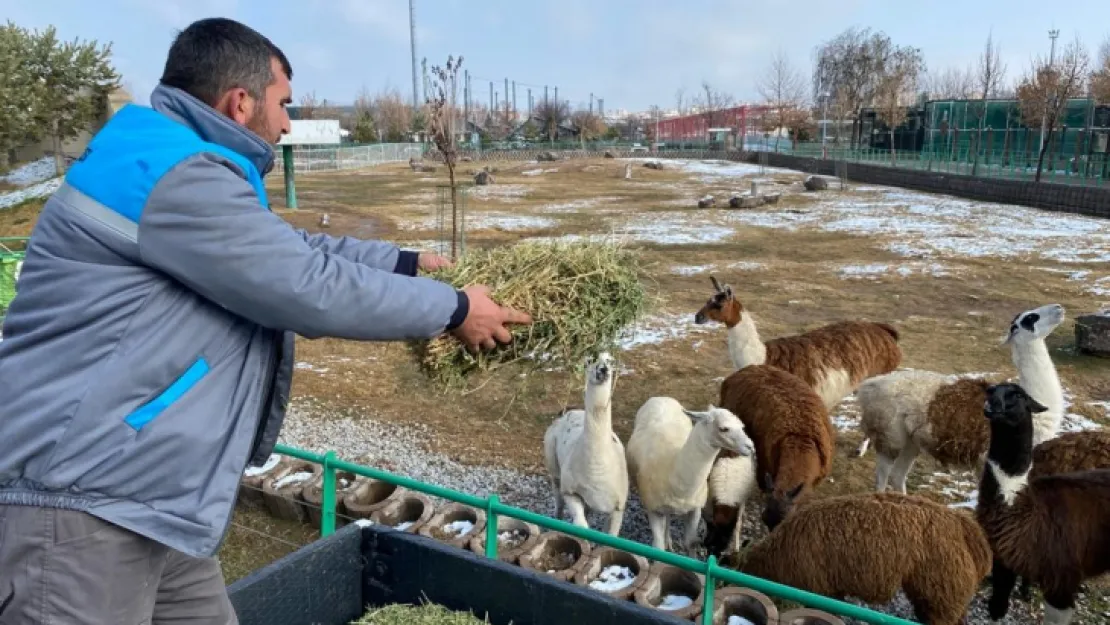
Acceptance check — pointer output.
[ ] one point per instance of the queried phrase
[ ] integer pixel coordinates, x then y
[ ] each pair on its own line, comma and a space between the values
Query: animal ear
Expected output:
728, 291
793, 494
716, 285
694, 415
1034, 405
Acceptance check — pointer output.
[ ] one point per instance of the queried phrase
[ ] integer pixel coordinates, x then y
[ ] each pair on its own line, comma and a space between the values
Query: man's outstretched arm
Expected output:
372, 253
203, 225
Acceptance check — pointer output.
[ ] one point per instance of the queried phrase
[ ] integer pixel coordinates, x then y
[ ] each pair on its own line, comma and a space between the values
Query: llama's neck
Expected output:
599, 415
1037, 375
744, 345
693, 462
1009, 461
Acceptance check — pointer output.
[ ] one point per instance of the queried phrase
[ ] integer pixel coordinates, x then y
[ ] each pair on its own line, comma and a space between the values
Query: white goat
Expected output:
669, 459
585, 458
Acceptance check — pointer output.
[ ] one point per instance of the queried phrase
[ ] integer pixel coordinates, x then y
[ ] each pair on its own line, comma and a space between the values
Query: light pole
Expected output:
1052, 34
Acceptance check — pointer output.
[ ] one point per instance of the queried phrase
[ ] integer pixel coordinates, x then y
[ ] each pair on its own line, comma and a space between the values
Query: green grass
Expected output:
425, 614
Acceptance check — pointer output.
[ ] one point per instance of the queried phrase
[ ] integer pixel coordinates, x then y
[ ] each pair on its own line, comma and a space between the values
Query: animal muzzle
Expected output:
699, 317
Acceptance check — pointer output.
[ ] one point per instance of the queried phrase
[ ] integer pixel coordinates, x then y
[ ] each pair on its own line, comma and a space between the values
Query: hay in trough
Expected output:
580, 294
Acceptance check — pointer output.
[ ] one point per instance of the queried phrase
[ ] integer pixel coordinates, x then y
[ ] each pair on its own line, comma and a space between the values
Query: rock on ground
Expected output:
1092, 335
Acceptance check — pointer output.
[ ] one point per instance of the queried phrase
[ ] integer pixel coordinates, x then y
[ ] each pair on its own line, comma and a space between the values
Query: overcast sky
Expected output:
632, 53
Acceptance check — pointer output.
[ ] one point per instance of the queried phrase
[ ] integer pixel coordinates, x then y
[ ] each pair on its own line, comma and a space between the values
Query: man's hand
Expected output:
432, 262
486, 320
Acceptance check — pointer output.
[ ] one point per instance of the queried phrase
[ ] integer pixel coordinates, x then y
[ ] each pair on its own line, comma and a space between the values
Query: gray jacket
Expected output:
148, 353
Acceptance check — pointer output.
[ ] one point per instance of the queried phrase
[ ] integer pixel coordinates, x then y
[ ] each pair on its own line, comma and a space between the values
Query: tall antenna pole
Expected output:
412, 43
514, 99
529, 103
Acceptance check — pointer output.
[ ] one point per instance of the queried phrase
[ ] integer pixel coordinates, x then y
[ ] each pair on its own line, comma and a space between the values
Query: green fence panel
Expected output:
493, 507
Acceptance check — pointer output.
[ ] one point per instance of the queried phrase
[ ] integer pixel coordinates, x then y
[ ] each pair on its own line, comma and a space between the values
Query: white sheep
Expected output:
670, 455
907, 412
585, 458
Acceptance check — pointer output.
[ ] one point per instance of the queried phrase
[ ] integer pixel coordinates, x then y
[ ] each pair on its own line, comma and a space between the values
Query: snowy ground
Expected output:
35, 179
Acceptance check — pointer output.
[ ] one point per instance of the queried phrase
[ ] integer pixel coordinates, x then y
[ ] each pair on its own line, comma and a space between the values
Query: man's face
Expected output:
269, 118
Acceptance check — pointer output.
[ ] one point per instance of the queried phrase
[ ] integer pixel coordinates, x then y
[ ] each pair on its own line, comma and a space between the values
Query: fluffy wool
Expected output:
670, 458
871, 545
1050, 529
905, 413
585, 459
791, 429
731, 482
833, 359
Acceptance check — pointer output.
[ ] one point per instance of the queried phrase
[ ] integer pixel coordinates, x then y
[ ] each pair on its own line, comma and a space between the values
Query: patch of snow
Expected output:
676, 229
363, 522
654, 330
691, 270
675, 602
873, 271
41, 189
576, 206
458, 528
499, 192
31, 173
270, 463
308, 366
403, 526
613, 578
508, 222
713, 170
292, 478
537, 172
739, 620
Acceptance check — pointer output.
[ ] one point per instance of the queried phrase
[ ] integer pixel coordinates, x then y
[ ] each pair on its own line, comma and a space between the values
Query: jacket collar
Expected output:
212, 126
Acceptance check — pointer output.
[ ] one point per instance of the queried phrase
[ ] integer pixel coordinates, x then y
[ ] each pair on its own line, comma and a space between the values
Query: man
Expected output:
147, 357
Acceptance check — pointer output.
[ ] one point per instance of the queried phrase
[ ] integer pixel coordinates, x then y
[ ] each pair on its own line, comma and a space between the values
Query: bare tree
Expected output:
1045, 90
589, 125
394, 115
308, 106
712, 104
846, 68
441, 120
1100, 78
551, 114
680, 103
988, 77
896, 85
951, 82
784, 90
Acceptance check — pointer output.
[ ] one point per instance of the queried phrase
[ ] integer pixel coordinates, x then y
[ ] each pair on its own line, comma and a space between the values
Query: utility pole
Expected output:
466, 104
514, 99
505, 98
424, 71
556, 95
529, 103
601, 108
412, 44
491, 106
1052, 34
591, 104
545, 94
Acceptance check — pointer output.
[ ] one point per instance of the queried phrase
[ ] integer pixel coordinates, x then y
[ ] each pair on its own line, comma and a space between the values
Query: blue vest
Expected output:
131, 153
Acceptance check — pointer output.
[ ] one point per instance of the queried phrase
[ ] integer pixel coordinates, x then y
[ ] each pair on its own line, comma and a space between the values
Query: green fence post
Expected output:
707, 594
290, 187
491, 527
327, 518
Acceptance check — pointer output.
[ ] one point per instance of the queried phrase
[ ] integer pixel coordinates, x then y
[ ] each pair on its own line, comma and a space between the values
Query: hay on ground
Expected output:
424, 614
580, 294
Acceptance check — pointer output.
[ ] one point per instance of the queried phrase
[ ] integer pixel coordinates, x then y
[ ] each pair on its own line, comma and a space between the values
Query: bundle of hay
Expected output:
581, 295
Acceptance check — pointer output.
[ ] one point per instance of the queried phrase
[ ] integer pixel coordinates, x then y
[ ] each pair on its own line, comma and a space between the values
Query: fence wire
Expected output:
344, 157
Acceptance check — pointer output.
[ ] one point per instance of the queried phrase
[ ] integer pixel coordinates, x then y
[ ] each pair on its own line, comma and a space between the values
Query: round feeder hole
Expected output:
743, 606
514, 538
556, 554
283, 490
455, 524
613, 572
672, 590
809, 616
407, 514
369, 496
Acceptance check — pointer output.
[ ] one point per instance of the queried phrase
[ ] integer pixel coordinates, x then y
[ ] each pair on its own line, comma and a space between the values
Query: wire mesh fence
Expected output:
347, 157
12, 251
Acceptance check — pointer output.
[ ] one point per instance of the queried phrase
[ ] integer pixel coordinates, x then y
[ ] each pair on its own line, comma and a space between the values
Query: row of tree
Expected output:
50, 89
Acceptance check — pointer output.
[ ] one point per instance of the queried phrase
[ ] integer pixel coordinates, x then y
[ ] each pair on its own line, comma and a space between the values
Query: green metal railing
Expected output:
493, 507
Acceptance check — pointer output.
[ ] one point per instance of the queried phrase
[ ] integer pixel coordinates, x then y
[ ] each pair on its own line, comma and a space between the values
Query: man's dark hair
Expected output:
216, 54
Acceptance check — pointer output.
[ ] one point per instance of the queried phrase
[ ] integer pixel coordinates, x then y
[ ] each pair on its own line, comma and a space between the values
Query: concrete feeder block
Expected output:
514, 538
601, 559
282, 490
745, 603
408, 512
808, 616
455, 524
556, 554
345, 483
663, 581
250, 486
370, 496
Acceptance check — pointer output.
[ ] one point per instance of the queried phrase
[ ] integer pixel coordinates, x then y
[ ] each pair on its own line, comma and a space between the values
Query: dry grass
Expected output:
19, 220
424, 614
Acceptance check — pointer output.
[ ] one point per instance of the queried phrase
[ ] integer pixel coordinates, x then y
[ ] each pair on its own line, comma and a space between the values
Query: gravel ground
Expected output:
400, 449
